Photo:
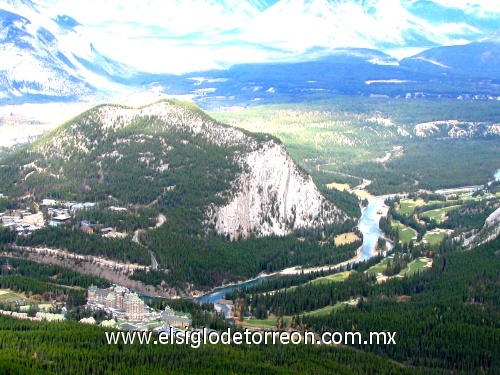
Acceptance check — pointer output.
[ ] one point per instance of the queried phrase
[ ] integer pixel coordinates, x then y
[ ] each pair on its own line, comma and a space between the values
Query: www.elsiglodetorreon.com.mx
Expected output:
196, 338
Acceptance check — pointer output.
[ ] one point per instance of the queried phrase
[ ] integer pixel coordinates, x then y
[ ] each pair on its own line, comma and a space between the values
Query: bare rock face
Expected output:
491, 228
273, 198
456, 129
493, 219
270, 196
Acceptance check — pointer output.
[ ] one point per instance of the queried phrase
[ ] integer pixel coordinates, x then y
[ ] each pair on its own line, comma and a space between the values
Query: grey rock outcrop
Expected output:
274, 197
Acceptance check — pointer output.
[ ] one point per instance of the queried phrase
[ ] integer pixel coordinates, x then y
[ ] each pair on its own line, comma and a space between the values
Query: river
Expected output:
368, 225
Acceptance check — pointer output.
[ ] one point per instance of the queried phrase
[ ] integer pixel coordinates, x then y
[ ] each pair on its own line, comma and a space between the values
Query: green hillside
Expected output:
392, 142
169, 158
134, 162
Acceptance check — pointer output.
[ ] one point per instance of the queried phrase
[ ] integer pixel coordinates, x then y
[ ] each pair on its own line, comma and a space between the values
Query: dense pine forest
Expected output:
72, 348
75, 241
446, 317
45, 282
217, 260
435, 164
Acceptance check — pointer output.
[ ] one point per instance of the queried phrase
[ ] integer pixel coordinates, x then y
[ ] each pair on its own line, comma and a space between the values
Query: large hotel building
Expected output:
120, 299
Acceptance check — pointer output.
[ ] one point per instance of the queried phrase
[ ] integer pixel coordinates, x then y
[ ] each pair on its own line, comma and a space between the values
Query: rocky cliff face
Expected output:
491, 228
274, 197
456, 129
173, 154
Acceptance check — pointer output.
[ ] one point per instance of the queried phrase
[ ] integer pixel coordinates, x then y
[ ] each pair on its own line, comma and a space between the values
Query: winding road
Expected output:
160, 221
154, 263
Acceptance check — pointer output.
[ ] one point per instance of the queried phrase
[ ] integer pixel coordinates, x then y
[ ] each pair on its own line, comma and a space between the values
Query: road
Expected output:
161, 220
154, 263
135, 238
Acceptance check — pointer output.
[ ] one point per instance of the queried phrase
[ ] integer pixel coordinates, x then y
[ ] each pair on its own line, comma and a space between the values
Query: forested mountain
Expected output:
481, 59
174, 155
214, 184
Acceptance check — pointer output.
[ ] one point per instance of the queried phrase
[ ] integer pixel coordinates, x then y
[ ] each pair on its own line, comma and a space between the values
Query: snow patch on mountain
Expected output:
49, 54
434, 62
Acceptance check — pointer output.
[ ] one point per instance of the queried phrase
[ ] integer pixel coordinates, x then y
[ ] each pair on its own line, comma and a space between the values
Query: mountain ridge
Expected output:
47, 55
170, 152
479, 58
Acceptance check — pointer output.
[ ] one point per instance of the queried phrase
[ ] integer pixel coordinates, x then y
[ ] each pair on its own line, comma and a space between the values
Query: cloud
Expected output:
181, 35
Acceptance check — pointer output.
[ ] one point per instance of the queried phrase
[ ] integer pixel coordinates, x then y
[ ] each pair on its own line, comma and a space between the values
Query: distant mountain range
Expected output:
297, 25
481, 58
44, 58
320, 46
461, 72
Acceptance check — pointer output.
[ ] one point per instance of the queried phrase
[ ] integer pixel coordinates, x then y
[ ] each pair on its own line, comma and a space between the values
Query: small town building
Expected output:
48, 202
63, 218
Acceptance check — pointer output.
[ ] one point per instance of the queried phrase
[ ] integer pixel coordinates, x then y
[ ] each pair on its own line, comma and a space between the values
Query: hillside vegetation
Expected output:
402, 145
445, 316
218, 187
